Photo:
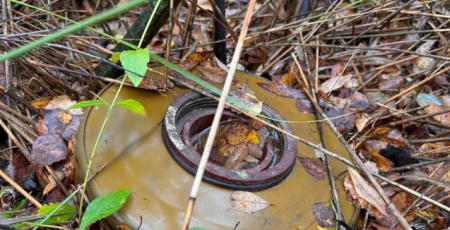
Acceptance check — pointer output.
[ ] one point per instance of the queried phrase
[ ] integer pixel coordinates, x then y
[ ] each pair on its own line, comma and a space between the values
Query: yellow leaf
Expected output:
252, 137
320, 228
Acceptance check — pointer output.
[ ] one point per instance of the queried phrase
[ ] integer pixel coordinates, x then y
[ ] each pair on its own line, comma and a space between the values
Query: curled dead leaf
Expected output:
366, 192
247, 202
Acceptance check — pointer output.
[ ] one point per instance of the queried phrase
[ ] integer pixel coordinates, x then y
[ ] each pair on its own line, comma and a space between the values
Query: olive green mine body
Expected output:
161, 186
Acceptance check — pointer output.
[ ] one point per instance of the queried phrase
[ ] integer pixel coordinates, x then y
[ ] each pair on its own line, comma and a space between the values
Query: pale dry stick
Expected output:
300, 70
217, 116
11, 181
17, 114
403, 223
17, 186
420, 13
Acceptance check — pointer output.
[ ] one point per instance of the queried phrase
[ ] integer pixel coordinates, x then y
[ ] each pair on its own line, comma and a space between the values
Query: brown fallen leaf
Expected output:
282, 91
383, 164
40, 103
63, 102
248, 100
236, 133
324, 215
366, 192
50, 186
314, 167
47, 150
213, 74
289, 80
304, 106
247, 202
334, 83
402, 202
56, 120
392, 83
433, 108
40, 128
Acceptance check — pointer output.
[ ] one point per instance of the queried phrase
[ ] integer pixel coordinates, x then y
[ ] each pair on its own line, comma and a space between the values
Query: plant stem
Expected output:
70, 29
148, 23
57, 208
44, 225
97, 142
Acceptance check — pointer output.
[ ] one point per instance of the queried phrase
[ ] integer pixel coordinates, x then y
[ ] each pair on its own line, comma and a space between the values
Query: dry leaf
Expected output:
247, 202
314, 167
334, 83
383, 164
304, 106
47, 150
50, 186
56, 120
63, 102
366, 192
252, 137
40, 103
281, 90
236, 133
433, 108
289, 80
392, 83
40, 128
402, 202
324, 215
213, 74
248, 100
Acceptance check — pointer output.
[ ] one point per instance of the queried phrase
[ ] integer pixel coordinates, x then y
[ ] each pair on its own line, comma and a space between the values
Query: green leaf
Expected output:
115, 57
18, 207
196, 228
83, 104
104, 206
428, 98
135, 61
132, 105
242, 174
68, 211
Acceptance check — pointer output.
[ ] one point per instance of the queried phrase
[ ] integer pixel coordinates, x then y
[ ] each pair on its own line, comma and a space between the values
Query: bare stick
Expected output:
217, 116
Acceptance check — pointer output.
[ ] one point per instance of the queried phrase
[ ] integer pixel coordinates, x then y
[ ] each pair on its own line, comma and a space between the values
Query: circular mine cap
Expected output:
191, 115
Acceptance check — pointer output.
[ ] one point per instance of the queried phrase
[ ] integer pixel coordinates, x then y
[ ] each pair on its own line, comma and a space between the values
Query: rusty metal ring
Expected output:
260, 177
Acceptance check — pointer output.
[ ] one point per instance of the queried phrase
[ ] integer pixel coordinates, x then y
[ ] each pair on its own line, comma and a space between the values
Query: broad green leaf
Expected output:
135, 61
104, 206
132, 105
115, 57
83, 104
18, 207
68, 211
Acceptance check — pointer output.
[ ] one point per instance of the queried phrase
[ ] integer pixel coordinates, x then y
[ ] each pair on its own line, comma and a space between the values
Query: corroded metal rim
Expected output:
191, 107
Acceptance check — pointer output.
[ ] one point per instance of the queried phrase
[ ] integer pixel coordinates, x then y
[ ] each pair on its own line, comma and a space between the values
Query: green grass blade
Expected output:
70, 29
